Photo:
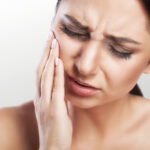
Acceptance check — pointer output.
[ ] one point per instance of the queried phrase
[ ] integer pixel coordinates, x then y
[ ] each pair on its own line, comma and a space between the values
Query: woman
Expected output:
87, 97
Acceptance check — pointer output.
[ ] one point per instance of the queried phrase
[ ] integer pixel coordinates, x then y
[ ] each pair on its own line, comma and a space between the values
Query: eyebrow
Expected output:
76, 23
122, 40
114, 38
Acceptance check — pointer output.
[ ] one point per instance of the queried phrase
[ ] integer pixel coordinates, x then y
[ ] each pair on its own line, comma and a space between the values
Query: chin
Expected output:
84, 102
81, 105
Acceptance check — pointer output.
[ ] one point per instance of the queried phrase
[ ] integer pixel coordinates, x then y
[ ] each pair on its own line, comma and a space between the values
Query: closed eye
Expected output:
118, 53
74, 34
111, 48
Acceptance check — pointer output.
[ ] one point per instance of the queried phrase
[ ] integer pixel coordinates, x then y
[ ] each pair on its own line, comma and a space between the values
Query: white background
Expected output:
24, 29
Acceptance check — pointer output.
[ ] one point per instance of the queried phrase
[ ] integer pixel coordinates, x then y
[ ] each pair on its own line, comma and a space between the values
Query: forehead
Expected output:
119, 17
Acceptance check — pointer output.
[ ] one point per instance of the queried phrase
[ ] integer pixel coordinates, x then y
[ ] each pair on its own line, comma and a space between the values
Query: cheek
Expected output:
67, 45
121, 75
68, 48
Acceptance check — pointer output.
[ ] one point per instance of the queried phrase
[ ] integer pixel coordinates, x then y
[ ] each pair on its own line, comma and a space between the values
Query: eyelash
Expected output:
113, 50
74, 34
119, 54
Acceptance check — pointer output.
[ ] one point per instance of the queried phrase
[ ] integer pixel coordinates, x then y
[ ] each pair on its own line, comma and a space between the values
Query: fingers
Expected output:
58, 102
50, 80
42, 63
48, 73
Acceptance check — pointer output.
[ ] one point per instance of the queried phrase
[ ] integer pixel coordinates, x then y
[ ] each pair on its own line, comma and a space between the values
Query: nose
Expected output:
87, 63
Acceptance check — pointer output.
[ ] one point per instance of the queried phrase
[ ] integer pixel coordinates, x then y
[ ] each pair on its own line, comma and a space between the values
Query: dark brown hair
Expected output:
146, 5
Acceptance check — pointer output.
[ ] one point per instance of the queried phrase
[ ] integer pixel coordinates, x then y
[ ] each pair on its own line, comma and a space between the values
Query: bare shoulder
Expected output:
18, 128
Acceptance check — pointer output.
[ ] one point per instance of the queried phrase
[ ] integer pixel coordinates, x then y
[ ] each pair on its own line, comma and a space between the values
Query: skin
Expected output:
112, 119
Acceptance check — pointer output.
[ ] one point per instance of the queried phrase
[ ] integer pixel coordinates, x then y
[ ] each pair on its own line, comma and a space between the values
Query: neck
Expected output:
103, 119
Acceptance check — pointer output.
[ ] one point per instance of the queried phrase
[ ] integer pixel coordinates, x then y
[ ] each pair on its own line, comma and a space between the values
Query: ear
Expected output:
147, 69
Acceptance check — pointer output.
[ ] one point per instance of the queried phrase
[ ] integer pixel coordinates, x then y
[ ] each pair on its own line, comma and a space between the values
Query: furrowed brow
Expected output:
77, 24
122, 40
80, 26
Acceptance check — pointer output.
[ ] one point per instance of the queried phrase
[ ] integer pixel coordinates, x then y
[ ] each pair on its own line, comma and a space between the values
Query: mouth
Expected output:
80, 88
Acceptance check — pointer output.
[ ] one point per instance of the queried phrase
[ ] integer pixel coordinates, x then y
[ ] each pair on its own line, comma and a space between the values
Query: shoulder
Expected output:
18, 128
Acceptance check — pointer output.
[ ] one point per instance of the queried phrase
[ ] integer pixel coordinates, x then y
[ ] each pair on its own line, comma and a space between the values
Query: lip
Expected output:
85, 84
78, 89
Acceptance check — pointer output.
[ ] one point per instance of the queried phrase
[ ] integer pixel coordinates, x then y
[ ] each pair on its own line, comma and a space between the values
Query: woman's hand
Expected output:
51, 109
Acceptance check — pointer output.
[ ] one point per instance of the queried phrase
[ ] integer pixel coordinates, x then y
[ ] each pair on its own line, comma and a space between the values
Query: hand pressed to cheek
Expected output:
50, 107
47, 76
58, 89
43, 62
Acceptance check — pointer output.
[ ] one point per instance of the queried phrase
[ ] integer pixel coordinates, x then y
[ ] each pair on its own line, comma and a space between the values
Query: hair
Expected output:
58, 4
146, 5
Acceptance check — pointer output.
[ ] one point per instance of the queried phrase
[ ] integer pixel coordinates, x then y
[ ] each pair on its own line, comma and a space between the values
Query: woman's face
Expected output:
110, 52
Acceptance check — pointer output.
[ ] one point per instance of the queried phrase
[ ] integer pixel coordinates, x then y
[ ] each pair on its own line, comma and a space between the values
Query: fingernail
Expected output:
56, 61
54, 43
